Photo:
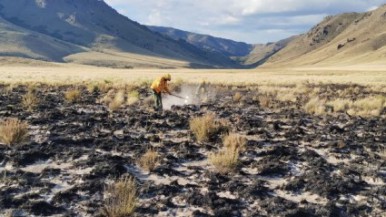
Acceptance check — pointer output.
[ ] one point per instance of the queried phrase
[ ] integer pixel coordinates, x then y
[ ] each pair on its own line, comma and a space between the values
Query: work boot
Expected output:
157, 109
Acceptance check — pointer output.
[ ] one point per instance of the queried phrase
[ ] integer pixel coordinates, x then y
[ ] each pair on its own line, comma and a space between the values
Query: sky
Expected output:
251, 21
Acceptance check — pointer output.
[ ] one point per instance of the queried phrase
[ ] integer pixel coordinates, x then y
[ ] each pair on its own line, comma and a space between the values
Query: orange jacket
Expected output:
160, 85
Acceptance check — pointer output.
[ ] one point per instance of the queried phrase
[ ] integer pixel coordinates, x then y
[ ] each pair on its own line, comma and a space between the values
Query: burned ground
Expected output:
295, 164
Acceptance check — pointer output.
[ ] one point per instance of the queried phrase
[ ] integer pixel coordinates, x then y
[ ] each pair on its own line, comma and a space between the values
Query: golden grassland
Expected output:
71, 73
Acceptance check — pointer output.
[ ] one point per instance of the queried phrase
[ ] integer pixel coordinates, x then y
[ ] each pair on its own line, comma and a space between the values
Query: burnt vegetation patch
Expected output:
284, 150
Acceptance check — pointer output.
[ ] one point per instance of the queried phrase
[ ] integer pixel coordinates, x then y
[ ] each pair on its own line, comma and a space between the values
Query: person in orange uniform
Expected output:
159, 86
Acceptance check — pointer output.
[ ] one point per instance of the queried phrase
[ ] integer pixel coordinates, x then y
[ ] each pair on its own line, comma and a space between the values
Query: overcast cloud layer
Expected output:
252, 21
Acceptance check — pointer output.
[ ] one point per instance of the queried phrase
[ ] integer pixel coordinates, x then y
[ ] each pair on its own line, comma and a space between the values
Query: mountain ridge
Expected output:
224, 46
343, 39
96, 26
92, 32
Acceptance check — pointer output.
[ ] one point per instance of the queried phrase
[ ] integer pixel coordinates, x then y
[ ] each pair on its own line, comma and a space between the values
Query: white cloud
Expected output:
372, 8
245, 20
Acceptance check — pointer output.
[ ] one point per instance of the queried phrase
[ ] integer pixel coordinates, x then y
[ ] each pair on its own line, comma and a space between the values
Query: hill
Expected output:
345, 39
91, 32
261, 52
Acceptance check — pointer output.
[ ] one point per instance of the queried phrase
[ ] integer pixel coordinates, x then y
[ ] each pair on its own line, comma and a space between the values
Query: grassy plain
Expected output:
72, 73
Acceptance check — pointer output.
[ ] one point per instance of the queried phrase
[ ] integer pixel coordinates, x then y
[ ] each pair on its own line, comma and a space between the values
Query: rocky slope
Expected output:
343, 39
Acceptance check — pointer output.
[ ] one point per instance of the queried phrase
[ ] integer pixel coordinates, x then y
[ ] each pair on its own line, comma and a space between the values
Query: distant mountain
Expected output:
344, 39
223, 46
262, 52
19, 42
91, 32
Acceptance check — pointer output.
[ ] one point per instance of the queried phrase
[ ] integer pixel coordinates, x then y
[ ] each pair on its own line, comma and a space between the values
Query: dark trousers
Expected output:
157, 101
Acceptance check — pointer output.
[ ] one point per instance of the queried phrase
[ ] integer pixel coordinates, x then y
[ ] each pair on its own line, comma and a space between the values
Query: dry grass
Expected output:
370, 106
235, 141
122, 198
72, 96
366, 107
225, 160
108, 97
315, 106
92, 88
304, 82
265, 101
105, 86
9, 89
149, 160
133, 97
237, 97
31, 87
204, 127
285, 93
13, 131
72, 73
29, 101
340, 105
118, 101
289, 96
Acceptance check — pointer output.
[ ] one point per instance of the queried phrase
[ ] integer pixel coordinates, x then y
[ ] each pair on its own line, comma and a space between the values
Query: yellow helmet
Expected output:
168, 77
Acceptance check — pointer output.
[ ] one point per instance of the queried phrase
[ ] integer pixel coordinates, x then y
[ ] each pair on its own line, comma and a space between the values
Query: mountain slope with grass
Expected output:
87, 31
223, 46
261, 52
19, 42
345, 39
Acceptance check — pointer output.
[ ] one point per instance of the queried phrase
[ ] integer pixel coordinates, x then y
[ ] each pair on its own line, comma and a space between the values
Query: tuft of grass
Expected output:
351, 91
13, 131
340, 105
370, 106
105, 87
265, 101
204, 127
235, 141
289, 96
108, 97
149, 160
237, 97
122, 198
9, 89
315, 106
72, 96
133, 97
31, 87
225, 160
118, 101
29, 101
92, 88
